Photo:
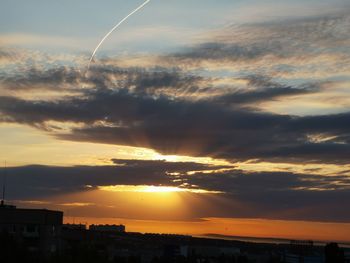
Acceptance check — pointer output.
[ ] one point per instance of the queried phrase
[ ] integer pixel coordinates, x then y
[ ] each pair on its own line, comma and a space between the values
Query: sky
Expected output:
225, 117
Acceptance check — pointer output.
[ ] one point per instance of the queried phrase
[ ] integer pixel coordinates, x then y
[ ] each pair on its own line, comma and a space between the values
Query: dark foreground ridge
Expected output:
39, 235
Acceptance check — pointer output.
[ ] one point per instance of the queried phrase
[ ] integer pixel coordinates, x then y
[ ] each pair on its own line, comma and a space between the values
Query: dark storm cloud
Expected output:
161, 167
5, 54
33, 78
222, 51
276, 195
265, 90
243, 182
175, 126
326, 123
156, 81
38, 181
280, 195
150, 82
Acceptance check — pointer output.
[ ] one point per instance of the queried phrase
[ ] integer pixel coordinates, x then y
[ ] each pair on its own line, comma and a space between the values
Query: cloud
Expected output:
279, 39
4, 55
39, 181
156, 82
274, 195
186, 112
179, 126
55, 78
265, 90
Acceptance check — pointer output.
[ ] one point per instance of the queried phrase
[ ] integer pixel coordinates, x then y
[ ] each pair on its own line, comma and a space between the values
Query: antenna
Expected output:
4, 186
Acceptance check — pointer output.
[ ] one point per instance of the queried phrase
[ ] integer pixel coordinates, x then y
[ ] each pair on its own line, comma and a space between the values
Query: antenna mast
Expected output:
4, 186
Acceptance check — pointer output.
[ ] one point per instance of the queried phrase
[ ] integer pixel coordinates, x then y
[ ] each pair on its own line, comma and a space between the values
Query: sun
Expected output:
154, 189
141, 188
161, 189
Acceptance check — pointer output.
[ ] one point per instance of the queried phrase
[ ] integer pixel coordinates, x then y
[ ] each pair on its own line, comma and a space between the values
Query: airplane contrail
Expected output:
114, 28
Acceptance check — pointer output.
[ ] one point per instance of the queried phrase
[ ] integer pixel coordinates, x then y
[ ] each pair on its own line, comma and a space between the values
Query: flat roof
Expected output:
30, 216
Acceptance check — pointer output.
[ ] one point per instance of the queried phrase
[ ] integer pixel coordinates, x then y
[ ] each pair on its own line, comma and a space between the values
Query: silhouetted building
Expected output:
347, 255
333, 253
74, 226
108, 228
36, 229
302, 251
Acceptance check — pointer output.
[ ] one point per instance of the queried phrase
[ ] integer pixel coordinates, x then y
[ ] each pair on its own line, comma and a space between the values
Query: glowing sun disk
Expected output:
150, 189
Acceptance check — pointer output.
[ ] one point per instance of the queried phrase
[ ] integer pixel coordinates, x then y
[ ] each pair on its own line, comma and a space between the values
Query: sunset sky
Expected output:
229, 117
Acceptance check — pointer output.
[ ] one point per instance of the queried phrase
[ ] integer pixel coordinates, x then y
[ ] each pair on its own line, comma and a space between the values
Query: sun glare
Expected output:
153, 189
141, 188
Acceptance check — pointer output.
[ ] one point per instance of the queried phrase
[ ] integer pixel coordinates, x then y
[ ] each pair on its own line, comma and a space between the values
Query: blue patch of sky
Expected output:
87, 19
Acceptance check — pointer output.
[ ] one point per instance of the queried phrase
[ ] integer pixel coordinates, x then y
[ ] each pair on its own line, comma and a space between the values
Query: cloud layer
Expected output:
273, 92
221, 126
272, 195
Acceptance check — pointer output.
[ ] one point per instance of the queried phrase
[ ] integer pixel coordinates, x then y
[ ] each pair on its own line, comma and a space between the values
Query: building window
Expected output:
31, 228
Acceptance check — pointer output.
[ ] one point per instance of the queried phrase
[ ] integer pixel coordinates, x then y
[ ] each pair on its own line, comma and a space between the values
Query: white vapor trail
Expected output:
114, 28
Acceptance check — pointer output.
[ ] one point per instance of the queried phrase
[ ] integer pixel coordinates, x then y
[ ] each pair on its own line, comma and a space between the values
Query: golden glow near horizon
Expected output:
244, 227
153, 189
